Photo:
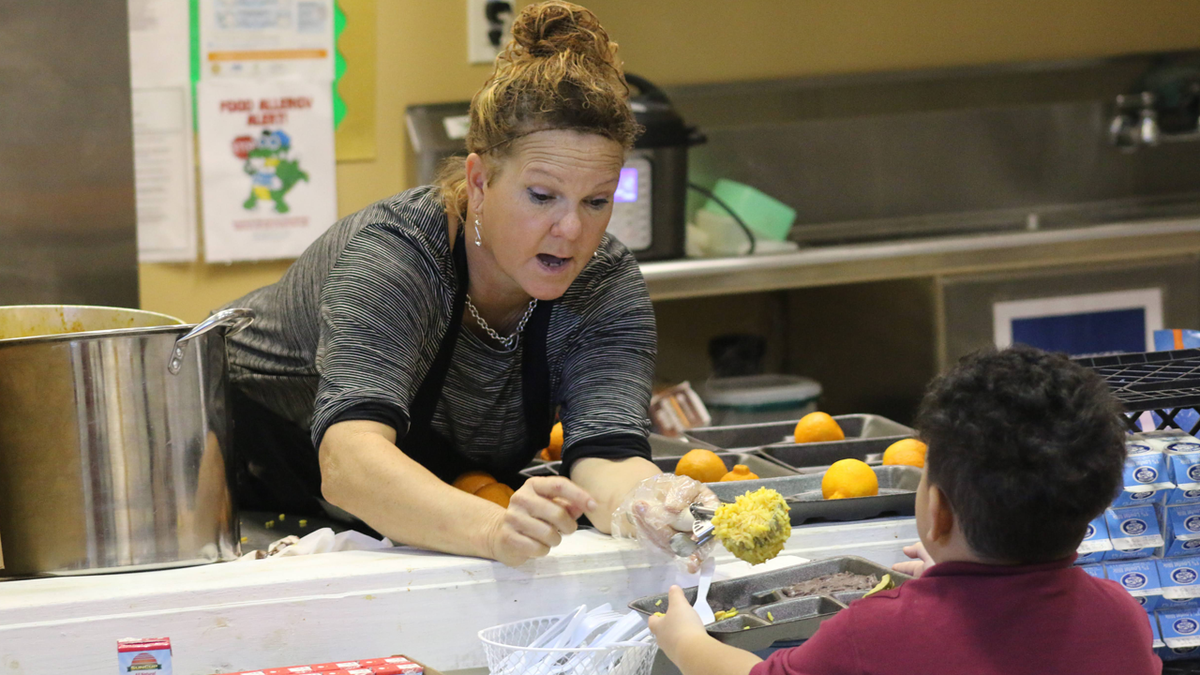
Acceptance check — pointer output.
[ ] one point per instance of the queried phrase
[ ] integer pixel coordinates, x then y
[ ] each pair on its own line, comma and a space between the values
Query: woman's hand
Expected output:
678, 626
538, 515
657, 509
917, 567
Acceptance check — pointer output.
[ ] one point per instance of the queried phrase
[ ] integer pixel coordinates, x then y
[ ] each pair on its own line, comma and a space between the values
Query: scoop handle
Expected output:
683, 546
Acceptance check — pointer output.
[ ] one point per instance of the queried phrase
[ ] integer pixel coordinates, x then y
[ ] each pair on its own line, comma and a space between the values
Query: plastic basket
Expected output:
1165, 384
508, 653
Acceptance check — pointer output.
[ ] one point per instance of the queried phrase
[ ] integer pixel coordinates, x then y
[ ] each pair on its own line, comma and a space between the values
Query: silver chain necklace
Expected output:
511, 340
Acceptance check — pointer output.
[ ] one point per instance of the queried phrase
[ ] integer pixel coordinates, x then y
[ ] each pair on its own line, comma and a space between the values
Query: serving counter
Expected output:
356, 604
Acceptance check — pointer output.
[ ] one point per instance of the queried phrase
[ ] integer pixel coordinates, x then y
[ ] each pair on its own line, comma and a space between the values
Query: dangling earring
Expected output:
478, 239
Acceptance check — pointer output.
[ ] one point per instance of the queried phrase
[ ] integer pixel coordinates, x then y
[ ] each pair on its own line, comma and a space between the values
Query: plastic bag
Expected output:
657, 509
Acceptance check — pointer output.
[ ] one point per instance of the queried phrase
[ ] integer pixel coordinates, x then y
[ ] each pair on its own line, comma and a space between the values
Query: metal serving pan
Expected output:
897, 494
814, 457
666, 446
757, 464
660, 446
755, 595
753, 436
765, 468
541, 469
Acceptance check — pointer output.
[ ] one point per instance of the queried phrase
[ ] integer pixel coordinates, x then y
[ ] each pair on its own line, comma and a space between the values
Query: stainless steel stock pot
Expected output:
114, 433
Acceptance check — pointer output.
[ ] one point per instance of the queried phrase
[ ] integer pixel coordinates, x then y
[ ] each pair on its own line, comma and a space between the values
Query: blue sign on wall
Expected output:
1118, 330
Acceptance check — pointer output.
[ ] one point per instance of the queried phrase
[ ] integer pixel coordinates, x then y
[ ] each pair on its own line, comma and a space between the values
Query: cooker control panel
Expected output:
631, 214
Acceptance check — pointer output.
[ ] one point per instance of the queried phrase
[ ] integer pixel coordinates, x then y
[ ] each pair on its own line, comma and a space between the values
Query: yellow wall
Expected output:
422, 59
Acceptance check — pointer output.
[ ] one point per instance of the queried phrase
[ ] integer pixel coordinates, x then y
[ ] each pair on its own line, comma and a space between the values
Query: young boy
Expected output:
1025, 448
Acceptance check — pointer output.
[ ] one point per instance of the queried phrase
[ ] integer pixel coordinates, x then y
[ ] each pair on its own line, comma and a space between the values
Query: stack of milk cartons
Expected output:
1149, 540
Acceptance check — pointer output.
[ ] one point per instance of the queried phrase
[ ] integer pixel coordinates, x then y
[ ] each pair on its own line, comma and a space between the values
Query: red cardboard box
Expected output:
392, 665
144, 655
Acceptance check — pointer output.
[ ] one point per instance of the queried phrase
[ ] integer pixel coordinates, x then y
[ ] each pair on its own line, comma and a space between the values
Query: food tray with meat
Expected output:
761, 466
766, 613
753, 436
897, 494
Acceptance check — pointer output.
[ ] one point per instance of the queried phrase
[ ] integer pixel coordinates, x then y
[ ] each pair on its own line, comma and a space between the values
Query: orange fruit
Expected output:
908, 452
849, 478
817, 427
553, 452
496, 492
702, 465
740, 472
471, 481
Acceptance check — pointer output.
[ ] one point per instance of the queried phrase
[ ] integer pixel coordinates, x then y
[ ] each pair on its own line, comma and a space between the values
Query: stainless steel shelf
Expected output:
833, 265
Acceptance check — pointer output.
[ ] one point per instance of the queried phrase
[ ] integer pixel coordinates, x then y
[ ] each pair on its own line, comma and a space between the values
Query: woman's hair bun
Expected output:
550, 28
560, 71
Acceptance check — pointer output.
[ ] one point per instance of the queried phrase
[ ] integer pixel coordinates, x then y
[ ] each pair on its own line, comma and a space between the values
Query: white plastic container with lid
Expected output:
750, 399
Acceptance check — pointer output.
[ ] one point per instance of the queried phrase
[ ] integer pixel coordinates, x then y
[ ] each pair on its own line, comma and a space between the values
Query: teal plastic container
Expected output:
767, 216
753, 399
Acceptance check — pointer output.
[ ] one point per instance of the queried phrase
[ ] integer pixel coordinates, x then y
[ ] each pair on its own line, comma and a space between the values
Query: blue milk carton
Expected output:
1146, 477
1162, 440
1180, 442
1184, 469
1137, 444
1180, 628
1180, 578
1155, 633
1094, 570
1095, 542
1181, 534
1140, 578
1131, 554
1169, 604
1133, 528
1167, 654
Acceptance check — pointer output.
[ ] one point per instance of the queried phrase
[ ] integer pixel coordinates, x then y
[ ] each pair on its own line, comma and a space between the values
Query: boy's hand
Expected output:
914, 568
678, 627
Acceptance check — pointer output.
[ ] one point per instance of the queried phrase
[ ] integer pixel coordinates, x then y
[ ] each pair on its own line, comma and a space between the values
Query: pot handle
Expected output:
231, 320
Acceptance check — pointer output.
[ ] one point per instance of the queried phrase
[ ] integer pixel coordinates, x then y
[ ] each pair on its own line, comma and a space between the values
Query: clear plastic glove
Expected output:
658, 508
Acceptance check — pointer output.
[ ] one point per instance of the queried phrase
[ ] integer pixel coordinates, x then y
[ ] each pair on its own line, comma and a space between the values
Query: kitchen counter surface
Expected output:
830, 265
360, 604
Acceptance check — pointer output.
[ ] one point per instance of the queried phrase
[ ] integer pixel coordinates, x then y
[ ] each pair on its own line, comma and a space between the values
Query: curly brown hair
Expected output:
560, 71
1027, 447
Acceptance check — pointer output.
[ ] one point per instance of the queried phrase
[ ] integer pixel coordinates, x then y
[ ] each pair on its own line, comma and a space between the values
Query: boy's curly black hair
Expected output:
1028, 448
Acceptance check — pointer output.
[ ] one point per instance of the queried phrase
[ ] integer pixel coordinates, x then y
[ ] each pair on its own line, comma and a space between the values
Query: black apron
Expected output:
276, 467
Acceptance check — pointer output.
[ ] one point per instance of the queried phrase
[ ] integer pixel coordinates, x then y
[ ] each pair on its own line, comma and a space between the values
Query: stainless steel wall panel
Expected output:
924, 153
67, 208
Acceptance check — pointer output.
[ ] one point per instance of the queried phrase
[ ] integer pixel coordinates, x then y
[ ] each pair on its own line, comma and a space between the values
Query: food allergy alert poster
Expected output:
266, 128
267, 160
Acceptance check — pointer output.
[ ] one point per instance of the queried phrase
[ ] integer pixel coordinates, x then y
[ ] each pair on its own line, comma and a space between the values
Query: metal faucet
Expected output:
1135, 122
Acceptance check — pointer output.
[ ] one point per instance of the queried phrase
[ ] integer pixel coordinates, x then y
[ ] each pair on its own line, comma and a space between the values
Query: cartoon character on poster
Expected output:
272, 172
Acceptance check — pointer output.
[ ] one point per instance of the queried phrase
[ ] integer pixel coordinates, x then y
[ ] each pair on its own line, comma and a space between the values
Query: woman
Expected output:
438, 331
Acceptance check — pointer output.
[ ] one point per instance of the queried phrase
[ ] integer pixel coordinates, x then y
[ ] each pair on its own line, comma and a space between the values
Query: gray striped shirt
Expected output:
359, 318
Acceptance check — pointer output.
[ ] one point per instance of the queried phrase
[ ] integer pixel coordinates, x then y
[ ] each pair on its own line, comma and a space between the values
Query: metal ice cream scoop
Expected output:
702, 532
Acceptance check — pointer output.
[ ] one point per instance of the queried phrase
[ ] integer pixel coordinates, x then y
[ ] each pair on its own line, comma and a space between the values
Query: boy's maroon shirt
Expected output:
982, 619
